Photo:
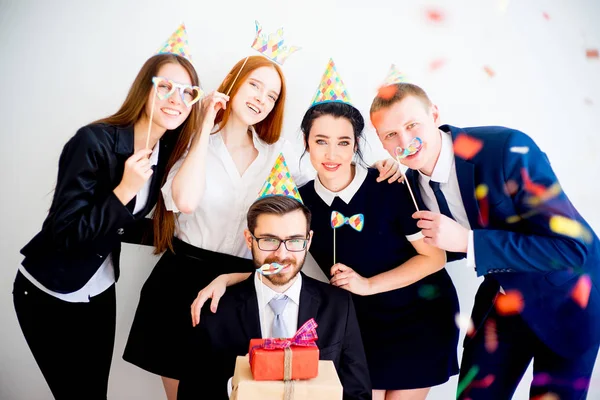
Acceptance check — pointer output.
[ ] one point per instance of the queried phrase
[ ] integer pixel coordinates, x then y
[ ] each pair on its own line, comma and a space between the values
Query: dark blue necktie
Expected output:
441, 199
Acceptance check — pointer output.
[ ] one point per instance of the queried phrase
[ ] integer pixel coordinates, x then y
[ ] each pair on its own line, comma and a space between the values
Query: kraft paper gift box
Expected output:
326, 386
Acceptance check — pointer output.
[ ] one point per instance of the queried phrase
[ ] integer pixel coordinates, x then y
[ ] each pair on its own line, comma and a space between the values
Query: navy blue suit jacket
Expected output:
526, 255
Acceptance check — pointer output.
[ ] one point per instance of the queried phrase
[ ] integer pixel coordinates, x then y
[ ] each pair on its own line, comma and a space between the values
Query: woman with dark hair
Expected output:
109, 177
405, 300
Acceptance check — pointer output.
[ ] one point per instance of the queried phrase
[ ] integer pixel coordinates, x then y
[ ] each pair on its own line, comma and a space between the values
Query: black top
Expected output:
86, 221
399, 327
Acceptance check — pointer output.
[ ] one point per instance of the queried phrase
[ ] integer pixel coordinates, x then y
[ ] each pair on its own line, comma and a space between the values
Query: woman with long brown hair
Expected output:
109, 178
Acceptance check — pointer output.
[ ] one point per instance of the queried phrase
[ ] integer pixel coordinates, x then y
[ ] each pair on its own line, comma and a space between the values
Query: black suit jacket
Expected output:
226, 334
86, 221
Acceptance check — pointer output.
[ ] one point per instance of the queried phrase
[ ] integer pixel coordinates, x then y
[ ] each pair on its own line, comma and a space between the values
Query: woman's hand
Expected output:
346, 278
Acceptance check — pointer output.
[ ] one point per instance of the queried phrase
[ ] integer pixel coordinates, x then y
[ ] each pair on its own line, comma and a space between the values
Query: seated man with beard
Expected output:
278, 232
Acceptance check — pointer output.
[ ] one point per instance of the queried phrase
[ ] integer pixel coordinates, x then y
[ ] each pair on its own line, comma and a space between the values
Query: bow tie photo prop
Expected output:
413, 148
357, 222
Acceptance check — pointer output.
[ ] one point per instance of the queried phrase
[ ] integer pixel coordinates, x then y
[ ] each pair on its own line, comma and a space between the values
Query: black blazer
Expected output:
86, 221
226, 334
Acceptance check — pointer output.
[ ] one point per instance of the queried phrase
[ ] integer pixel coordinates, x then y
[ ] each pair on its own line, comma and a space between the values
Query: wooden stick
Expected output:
333, 246
238, 74
151, 116
409, 188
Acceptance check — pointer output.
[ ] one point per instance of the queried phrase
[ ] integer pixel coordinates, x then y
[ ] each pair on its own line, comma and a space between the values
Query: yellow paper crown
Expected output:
394, 76
273, 47
280, 181
331, 87
177, 44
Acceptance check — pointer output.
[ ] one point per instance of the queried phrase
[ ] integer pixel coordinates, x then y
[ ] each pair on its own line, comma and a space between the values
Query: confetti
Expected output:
581, 291
546, 396
592, 53
437, 64
491, 336
588, 101
481, 194
428, 292
569, 227
511, 188
533, 188
387, 92
469, 376
434, 15
481, 191
519, 149
466, 146
510, 304
484, 383
546, 16
464, 323
489, 71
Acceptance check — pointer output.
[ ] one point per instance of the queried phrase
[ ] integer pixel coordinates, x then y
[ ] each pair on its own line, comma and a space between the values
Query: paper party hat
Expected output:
280, 181
177, 44
272, 47
394, 76
331, 87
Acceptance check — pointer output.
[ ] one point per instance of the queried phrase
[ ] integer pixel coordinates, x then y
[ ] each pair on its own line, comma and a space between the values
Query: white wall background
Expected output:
65, 63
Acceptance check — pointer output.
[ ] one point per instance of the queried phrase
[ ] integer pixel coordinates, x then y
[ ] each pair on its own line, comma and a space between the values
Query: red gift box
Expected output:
286, 359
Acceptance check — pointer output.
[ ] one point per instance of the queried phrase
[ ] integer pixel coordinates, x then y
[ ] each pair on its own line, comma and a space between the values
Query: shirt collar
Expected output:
293, 292
259, 144
443, 167
345, 194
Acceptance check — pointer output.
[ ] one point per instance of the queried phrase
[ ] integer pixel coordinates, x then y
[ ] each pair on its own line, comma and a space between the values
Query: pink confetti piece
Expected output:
489, 71
592, 54
581, 291
435, 15
437, 64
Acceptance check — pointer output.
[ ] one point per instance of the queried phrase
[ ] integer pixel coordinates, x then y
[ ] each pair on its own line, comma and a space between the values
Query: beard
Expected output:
281, 278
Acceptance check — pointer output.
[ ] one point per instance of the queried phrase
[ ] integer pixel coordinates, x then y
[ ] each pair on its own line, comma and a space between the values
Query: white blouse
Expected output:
218, 222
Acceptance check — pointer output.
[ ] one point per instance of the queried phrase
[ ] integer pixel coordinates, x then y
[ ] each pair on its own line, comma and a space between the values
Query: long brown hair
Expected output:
134, 107
269, 130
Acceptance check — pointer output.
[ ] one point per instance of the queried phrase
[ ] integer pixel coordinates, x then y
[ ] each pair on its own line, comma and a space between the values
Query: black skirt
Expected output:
159, 337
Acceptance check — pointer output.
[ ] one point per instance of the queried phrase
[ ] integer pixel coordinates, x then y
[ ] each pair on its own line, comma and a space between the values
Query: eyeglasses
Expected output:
273, 244
165, 88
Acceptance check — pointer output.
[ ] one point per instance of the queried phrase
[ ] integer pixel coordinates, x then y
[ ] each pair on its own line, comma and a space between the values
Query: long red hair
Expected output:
269, 129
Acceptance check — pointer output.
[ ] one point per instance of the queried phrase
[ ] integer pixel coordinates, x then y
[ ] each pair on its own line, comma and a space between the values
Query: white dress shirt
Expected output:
349, 191
444, 172
290, 312
105, 275
218, 222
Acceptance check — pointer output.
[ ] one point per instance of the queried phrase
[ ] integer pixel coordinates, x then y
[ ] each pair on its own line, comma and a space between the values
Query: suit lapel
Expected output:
413, 180
309, 302
248, 310
465, 172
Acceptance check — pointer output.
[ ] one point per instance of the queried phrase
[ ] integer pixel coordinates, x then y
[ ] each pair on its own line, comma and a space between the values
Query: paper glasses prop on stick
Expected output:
273, 47
163, 88
413, 147
357, 222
